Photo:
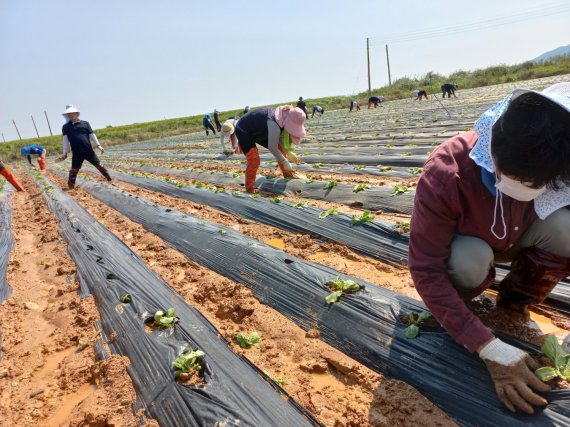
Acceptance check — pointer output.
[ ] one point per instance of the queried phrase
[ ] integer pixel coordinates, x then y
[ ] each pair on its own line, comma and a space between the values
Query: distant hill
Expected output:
559, 51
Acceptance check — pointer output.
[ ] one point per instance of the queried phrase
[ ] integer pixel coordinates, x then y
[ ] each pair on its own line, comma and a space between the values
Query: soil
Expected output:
49, 373
336, 389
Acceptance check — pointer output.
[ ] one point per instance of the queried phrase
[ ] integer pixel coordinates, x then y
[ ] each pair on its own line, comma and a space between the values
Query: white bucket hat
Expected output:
70, 108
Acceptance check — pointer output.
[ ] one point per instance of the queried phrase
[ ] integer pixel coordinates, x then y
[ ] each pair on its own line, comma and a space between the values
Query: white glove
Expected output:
287, 166
101, 149
502, 353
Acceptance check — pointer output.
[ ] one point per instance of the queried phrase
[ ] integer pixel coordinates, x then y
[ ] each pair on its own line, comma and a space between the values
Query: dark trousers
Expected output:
210, 127
218, 124
77, 161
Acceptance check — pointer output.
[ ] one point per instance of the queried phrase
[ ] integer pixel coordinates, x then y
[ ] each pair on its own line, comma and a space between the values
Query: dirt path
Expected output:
49, 374
334, 387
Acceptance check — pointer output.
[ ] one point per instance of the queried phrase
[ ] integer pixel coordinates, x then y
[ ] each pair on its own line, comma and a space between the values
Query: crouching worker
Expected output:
353, 106
500, 193
319, 110
78, 135
38, 150
6, 173
375, 100
229, 132
269, 127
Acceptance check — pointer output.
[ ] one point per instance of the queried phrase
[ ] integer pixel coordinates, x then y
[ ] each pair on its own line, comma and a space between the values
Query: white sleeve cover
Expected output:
65, 145
93, 138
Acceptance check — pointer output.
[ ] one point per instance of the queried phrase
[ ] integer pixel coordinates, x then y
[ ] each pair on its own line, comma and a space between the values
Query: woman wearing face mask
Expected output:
500, 193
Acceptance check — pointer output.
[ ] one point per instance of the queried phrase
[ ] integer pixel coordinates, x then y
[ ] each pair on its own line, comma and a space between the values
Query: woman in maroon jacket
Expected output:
497, 194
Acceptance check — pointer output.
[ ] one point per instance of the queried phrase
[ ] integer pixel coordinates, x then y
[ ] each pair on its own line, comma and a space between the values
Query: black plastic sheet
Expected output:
364, 325
236, 393
6, 241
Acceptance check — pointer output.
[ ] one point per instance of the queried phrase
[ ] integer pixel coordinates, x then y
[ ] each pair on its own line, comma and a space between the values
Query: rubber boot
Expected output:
42, 163
252, 158
6, 173
72, 177
534, 273
472, 293
104, 172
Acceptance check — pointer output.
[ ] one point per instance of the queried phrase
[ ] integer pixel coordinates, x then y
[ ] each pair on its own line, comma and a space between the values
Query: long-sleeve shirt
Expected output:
451, 199
78, 135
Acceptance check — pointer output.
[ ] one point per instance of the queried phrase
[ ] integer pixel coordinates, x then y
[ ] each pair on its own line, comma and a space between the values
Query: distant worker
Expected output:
245, 110
6, 173
354, 106
207, 124
273, 128
229, 132
78, 135
318, 109
420, 94
217, 120
375, 100
303, 106
30, 150
449, 89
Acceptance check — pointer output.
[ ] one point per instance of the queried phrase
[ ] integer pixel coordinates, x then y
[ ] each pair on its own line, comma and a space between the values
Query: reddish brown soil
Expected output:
335, 388
49, 373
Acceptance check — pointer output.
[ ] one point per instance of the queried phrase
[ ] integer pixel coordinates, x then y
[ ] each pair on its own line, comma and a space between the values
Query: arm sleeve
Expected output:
94, 139
273, 139
222, 142
65, 145
29, 159
431, 232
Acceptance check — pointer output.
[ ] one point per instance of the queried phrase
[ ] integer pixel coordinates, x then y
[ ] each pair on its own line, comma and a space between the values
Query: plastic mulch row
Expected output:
364, 325
236, 393
6, 241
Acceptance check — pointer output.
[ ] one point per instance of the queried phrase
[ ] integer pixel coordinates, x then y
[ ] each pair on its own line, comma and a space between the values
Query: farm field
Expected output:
251, 280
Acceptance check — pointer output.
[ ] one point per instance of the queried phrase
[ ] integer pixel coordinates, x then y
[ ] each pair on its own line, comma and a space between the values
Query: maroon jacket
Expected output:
452, 199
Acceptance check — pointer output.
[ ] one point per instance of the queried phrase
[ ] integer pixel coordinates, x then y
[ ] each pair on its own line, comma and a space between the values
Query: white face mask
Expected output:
517, 190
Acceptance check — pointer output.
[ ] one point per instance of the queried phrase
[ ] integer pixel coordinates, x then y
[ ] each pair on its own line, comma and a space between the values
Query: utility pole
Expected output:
3, 137
48, 123
368, 58
35, 127
17, 129
388, 61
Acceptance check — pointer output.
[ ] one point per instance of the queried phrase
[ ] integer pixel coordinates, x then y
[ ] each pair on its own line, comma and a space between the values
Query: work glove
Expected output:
512, 372
293, 157
101, 149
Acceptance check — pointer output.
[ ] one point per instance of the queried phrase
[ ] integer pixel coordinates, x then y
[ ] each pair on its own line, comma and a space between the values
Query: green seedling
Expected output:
125, 299
219, 190
299, 205
255, 196
318, 165
187, 362
221, 231
165, 320
237, 174
360, 187
199, 184
246, 341
282, 380
398, 191
201, 223
338, 287
414, 322
403, 227
331, 211
415, 170
330, 184
385, 168
559, 358
409, 153
276, 199
360, 167
365, 217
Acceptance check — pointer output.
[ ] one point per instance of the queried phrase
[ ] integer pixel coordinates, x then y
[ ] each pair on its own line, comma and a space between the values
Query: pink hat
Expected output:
293, 120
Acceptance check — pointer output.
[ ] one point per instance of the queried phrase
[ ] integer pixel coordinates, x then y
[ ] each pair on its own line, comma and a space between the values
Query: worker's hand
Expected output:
512, 371
64, 156
293, 157
228, 152
566, 344
101, 149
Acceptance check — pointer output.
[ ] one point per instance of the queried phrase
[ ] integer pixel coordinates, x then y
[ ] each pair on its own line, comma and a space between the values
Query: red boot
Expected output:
534, 273
6, 173
252, 158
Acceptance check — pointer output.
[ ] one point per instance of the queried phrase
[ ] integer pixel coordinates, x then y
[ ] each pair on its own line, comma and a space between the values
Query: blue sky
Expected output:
133, 61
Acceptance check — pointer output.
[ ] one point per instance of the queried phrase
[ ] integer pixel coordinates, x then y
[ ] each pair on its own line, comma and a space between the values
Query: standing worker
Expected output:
78, 135
354, 106
375, 100
217, 120
228, 131
6, 173
449, 89
318, 109
484, 197
207, 124
303, 106
29, 150
273, 128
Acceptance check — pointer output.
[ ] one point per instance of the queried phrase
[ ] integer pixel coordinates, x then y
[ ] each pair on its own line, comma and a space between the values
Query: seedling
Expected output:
255, 196
365, 217
219, 190
188, 362
199, 184
359, 167
220, 231
330, 184
125, 299
165, 320
415, 170
331, 211
318, 165
237, 174
559, 358
340, 286
276, 199
409, 153
299, 205
414, 321
385, 168
246, 341
403, 227
360, 187
398, 191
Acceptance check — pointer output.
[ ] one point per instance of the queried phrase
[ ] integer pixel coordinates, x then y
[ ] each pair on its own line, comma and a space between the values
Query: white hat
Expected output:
70, 108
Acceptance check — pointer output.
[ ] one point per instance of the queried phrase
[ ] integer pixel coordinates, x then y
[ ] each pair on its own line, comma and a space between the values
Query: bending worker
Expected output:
78, 135
375, 100
207, 124
7, 173
318, 109
484, 197
229, 132
354, 106
272, 128
30, 150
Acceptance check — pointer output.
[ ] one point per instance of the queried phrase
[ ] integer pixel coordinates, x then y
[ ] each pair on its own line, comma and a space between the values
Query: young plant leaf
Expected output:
246, 341
365, 217
189, 361
411, 331
360, 187
546, 373
330, 184
331, 211
334, 297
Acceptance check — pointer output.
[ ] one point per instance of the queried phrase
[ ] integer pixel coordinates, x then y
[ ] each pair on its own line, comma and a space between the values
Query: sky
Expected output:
132, 61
